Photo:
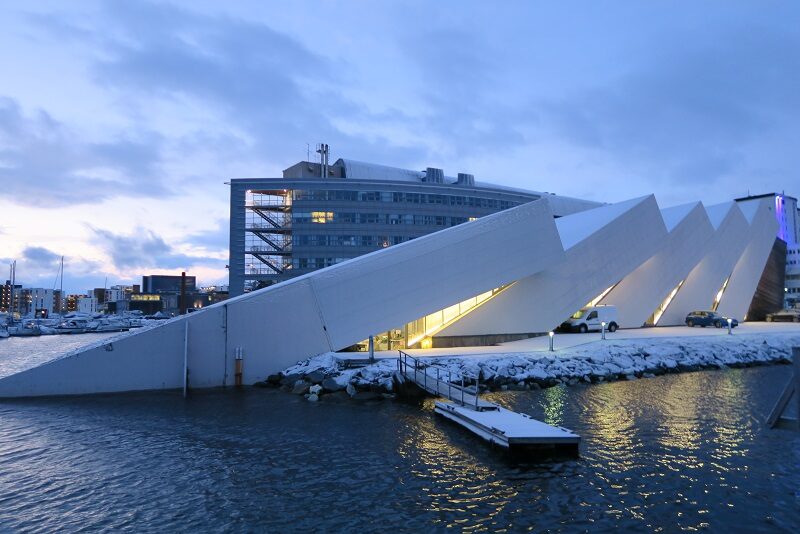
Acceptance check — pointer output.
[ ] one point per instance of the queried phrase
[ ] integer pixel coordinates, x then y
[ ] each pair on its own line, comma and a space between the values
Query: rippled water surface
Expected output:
676, 452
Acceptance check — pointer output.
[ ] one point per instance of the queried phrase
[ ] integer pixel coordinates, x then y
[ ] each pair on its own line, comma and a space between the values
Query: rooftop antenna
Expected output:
61, 290
13, 282
324, 151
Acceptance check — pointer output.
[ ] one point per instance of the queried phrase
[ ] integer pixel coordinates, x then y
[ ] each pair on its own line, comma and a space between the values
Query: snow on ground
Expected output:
628, 357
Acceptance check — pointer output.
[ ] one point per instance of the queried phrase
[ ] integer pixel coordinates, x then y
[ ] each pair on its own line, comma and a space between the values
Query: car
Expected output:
790, 315
706, 318
592, 318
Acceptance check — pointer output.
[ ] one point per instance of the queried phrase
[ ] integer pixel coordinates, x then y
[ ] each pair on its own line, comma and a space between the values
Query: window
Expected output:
321, 217
591, 316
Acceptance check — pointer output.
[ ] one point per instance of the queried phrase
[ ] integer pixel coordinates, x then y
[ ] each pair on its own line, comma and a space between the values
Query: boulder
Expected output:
275, 380
316, 389
313, 397
330, 384
289, 380
351, 390
300, 387
315, 377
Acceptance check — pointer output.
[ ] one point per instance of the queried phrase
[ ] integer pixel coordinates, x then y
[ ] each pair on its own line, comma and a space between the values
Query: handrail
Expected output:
420, 366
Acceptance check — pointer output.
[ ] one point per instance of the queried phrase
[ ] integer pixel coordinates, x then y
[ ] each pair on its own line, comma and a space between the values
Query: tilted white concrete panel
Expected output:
151, 360
706, 278
386, 290
643, 290
761, 236
322, 311
602, 246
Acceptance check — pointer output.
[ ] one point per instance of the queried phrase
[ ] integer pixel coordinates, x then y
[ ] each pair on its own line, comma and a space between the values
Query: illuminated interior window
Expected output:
420, 331
719, 294
653, 320
599, 297
321, 217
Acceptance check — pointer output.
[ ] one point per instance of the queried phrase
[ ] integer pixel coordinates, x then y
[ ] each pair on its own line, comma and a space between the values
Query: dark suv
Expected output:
709, 318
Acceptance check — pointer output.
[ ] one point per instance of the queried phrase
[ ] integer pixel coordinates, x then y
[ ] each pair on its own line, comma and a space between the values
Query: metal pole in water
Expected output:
796, 365
239, 363
185, 357
729, 327
551, 340
603, 325
372, 349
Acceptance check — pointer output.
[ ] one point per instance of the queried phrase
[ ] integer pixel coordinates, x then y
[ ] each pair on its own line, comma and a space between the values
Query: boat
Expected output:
72, 326
29, 329
110, 325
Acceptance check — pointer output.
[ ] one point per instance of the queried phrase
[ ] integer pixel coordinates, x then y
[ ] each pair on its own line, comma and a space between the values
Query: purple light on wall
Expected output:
780, 214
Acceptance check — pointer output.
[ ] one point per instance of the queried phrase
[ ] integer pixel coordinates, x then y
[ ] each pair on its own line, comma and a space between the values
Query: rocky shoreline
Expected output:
329, 376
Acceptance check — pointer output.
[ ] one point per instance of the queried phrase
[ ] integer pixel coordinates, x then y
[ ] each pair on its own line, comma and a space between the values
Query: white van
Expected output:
590, 319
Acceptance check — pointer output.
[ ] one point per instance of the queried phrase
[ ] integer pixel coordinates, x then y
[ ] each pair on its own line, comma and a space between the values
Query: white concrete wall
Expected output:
149, 360
706, 278
605, 244
639, 294
743, 282
325, 310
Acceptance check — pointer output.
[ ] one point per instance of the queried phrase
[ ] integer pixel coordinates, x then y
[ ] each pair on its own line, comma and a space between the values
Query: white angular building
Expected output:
515, 273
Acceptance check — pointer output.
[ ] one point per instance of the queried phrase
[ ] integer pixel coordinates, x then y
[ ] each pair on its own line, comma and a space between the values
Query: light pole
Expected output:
551, 334
603, 325
730, 332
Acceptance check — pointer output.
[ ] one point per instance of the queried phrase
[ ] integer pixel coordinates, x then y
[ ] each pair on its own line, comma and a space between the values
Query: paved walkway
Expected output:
561, 341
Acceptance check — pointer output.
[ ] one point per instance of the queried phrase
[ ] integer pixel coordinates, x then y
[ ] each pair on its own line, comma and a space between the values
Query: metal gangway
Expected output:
439, 384
462, 404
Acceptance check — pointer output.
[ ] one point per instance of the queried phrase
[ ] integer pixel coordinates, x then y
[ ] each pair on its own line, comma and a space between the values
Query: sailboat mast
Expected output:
61, 290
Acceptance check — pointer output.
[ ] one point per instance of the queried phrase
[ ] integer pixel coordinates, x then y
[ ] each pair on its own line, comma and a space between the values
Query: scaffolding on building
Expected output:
268, 232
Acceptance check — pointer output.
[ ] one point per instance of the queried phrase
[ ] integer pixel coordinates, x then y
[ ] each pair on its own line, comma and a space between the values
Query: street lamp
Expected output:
551, 334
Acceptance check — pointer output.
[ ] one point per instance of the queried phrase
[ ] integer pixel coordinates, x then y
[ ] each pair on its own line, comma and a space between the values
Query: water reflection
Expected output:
675, 452
459, 488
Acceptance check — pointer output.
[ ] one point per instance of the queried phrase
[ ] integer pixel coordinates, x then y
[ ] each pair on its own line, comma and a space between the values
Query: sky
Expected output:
120, 122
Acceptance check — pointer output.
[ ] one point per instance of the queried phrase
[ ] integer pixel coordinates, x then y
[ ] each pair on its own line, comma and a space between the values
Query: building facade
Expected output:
315, 217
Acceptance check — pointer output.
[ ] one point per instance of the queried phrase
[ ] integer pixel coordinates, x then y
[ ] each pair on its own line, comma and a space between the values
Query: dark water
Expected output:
676, 452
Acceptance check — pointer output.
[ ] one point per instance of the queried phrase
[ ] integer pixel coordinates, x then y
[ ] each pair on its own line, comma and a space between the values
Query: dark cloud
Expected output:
40, 266
43, 164
145, 249
40, 256
262, 82
690, 113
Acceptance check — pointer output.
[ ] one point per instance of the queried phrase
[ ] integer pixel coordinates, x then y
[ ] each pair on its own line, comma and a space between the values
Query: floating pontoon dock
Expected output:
462, 405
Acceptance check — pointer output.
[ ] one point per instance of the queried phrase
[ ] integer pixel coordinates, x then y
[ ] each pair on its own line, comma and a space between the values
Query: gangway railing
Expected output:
442, 385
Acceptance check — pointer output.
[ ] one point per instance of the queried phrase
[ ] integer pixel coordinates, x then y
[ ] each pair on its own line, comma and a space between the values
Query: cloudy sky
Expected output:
121, 121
